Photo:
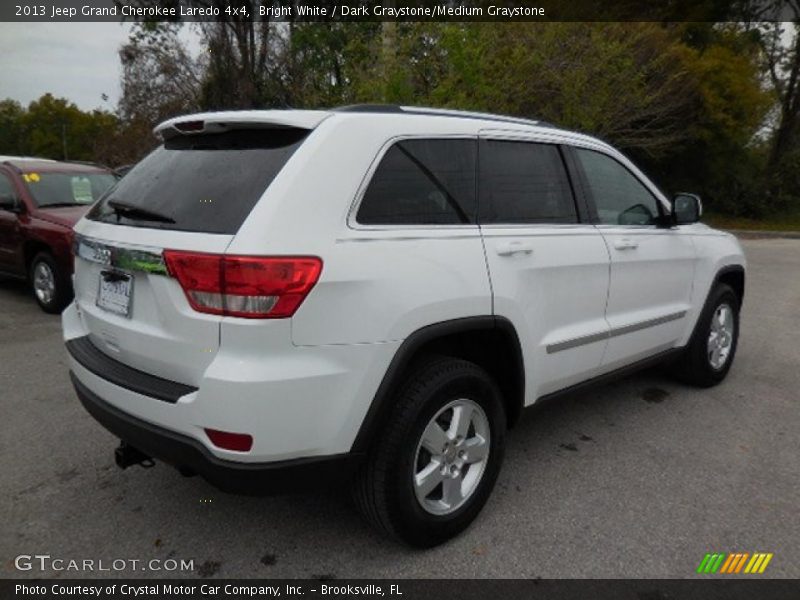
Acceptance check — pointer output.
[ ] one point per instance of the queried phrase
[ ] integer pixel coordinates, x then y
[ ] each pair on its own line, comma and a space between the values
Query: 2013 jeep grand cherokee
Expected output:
370, 296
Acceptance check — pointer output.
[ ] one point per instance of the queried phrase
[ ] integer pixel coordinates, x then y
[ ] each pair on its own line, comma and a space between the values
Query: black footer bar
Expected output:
399, 589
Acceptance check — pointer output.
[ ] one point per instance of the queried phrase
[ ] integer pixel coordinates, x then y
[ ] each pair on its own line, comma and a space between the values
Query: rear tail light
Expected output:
244, 286
240, 442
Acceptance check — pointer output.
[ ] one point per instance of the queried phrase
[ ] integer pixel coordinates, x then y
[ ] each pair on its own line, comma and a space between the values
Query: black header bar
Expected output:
392, 10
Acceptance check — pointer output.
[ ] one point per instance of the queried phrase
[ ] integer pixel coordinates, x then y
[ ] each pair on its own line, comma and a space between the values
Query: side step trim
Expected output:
88, 356
650, 361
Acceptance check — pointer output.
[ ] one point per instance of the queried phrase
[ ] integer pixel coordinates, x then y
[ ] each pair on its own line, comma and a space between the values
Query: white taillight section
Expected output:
255, 287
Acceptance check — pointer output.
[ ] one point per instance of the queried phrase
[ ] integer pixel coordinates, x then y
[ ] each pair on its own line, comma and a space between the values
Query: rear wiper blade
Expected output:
61, 204
140, 214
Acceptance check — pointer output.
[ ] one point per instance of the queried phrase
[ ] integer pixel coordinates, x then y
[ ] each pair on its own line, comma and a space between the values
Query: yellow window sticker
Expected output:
31, 177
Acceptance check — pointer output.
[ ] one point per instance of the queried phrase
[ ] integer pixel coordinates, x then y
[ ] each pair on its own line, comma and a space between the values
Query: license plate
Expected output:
114, 293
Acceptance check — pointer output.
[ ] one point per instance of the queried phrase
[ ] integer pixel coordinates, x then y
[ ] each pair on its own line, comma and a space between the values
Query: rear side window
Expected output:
524, 182
207, 183
422, 182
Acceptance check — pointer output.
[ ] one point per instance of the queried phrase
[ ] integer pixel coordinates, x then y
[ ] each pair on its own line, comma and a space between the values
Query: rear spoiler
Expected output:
217, 122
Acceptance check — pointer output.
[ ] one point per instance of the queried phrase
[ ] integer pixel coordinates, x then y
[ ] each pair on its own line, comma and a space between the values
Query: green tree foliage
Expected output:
723, 156
686, 100
11, 113
53, 127
780, 45
626, 82
160, 79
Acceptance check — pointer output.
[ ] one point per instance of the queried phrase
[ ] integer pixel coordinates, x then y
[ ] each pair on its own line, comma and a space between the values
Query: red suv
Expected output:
40, 201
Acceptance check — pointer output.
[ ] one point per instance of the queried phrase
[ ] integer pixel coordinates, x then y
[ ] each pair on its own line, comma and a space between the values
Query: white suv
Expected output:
282, 299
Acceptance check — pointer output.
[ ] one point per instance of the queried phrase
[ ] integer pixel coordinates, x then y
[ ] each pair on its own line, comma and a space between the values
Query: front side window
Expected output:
620, 198
422, 182
524, 182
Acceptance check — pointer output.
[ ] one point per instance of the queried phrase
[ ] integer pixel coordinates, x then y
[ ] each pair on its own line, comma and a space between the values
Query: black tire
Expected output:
62, 291
384, 489
695, 366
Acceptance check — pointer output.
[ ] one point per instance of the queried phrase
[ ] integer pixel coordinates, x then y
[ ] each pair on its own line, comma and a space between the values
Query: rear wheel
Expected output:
434, 465
50, 286
709, 355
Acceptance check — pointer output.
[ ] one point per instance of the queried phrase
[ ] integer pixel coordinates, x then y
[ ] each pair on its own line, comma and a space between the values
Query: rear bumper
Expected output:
297, 402
181, 451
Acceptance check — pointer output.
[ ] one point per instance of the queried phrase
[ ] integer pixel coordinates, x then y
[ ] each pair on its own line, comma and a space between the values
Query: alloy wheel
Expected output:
451, 457
44, 282
720, 338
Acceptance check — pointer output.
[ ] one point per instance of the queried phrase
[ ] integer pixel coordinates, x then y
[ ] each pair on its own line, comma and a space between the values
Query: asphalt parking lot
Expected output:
639, 478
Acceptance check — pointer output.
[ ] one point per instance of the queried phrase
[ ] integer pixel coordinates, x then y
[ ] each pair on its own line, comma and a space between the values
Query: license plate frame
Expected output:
113, 297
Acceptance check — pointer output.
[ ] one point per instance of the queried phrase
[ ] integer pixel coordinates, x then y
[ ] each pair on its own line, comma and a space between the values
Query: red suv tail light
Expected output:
244, 286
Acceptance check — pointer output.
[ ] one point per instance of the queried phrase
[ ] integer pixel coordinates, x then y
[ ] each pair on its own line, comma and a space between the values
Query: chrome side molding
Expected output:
604, 335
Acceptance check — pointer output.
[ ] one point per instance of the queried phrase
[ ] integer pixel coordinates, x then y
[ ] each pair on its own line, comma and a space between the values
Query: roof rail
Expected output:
436, 112
369, 108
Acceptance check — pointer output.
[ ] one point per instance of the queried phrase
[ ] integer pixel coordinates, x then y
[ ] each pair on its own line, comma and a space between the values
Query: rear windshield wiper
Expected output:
136, 213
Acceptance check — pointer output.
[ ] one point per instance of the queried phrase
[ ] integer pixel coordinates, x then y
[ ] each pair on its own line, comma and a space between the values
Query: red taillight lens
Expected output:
244, 286
240, 442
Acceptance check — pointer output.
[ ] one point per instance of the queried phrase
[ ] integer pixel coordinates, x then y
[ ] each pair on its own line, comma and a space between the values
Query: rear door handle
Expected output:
626, 244
511, 248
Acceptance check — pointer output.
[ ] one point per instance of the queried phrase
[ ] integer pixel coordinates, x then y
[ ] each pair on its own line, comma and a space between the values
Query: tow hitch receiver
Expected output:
127, 456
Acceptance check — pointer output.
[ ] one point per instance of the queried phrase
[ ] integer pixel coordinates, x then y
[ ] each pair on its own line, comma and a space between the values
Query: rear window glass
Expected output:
422, 182
67, 189
207, 183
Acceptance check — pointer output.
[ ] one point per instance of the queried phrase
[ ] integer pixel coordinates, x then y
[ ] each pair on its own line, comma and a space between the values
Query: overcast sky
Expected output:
77, 61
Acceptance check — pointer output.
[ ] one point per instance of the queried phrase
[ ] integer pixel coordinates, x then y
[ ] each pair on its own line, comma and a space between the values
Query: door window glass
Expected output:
524, 182
620, 198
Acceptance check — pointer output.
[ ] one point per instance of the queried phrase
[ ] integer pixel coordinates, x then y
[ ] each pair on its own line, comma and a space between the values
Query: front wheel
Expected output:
709, 355
435, 464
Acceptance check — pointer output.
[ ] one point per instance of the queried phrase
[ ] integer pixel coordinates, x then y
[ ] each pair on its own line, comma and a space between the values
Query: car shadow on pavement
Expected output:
14, 287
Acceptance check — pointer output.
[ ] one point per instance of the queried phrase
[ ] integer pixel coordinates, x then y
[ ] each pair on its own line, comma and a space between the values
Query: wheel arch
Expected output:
30, 249
734, 276
489, 341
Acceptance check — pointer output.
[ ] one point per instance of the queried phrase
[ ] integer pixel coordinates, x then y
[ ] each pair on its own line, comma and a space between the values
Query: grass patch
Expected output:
789, 222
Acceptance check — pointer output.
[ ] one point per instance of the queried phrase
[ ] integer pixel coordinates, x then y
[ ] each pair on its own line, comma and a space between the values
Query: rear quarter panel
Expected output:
377, 284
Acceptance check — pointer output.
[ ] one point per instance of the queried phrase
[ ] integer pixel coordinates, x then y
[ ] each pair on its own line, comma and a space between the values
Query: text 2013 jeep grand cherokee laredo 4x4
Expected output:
275, 299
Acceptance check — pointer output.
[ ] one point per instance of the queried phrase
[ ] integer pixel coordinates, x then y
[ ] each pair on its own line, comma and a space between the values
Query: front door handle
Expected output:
511, 248
626, 244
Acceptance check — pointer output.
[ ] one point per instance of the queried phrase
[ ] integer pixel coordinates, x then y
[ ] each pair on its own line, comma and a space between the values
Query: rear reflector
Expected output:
240, 442
252, 287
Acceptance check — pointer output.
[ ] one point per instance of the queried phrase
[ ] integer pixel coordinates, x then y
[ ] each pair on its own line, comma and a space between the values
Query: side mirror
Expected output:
9, 202
686, 209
